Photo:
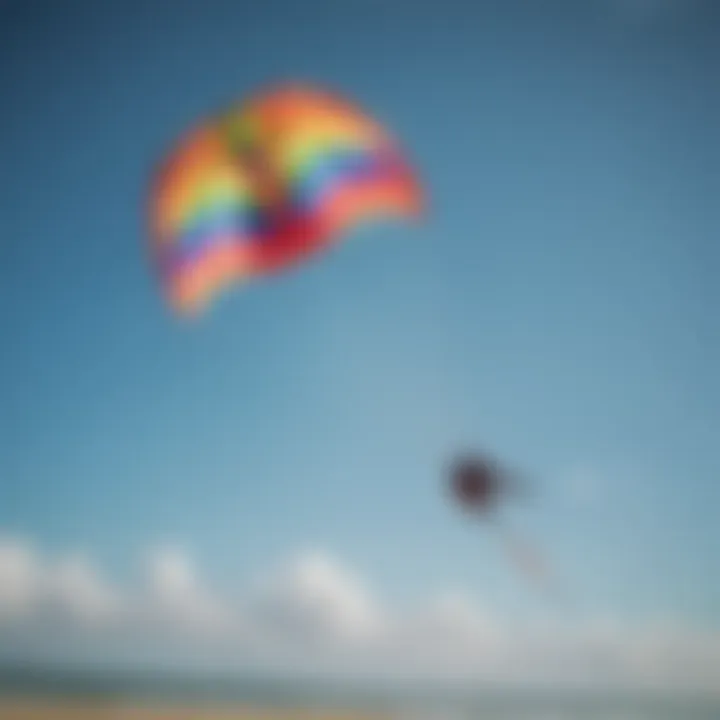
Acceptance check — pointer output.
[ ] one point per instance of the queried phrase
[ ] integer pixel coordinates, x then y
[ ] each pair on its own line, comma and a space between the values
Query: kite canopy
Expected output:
266, 184
476, 483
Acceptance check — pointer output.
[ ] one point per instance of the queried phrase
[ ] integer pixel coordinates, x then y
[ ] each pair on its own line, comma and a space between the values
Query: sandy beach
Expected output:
59, 710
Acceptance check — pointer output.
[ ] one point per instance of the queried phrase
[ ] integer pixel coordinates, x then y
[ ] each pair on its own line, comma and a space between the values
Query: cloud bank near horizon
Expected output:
313, 616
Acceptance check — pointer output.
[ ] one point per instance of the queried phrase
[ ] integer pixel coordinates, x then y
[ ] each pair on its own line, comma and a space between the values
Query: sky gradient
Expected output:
558, 306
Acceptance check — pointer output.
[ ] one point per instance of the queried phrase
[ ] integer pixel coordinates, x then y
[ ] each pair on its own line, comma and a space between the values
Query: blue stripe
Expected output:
178, 256
245, 221
207, 230
342, 168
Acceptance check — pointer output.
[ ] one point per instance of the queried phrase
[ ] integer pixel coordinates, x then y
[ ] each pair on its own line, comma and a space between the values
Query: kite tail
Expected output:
528, 559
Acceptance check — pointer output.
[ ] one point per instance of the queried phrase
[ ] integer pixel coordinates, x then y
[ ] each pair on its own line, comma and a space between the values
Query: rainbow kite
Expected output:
266, 184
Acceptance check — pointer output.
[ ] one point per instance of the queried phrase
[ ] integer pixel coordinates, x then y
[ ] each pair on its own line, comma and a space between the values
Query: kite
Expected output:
480, 485
477, 483
267, 183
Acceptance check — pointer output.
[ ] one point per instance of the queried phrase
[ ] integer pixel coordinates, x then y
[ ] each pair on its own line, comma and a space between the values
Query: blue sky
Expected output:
557, 307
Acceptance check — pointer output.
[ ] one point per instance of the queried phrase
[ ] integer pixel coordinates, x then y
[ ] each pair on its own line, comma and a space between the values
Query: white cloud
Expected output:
176, 595
314, 596
77, 588
312, 614
19, 577
170, 575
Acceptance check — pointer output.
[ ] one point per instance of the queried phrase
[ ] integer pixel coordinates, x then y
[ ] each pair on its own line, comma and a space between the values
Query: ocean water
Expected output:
125, 690
591, 710
511, 708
